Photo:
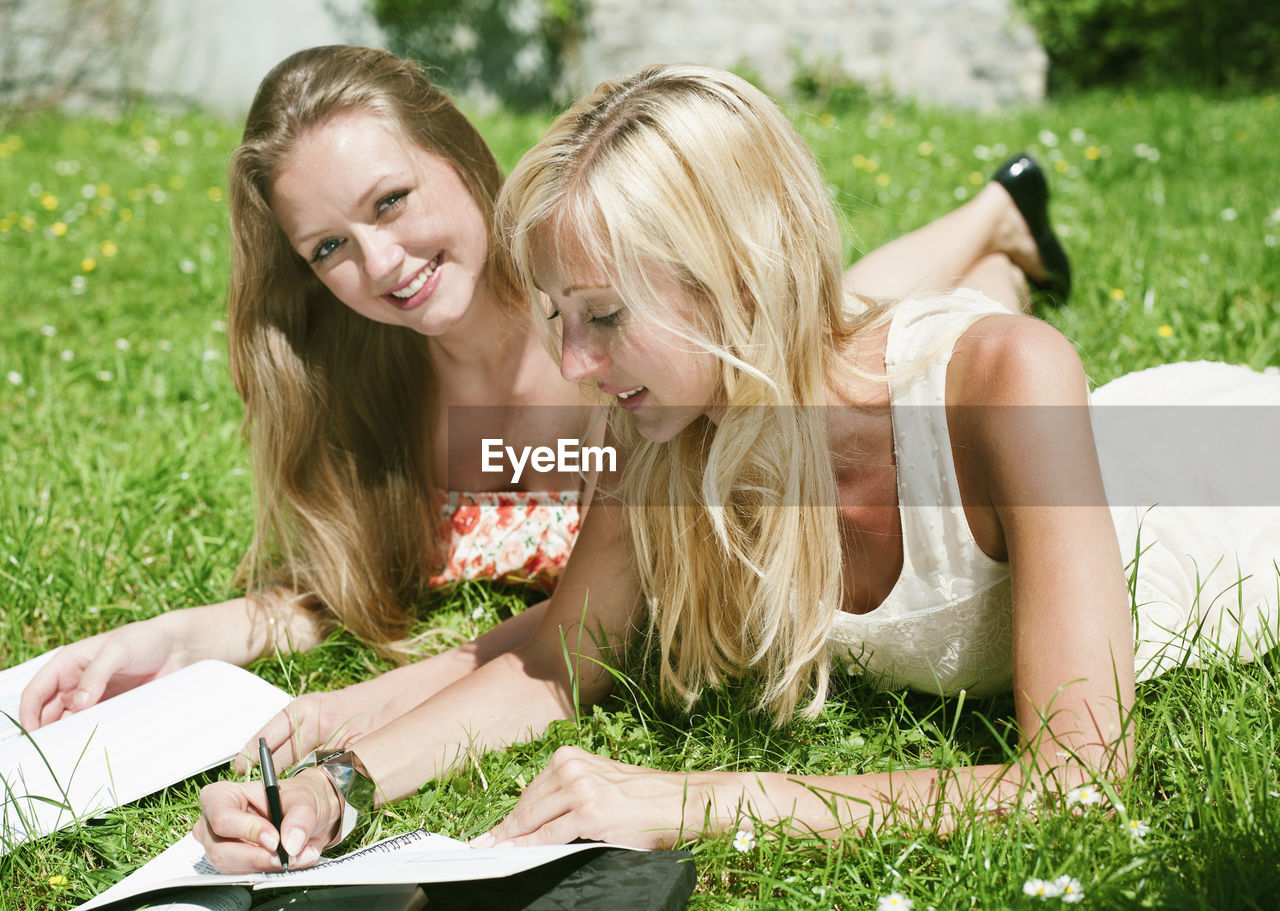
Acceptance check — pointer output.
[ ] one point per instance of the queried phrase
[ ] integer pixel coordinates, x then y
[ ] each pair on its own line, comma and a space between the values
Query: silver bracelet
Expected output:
352, 782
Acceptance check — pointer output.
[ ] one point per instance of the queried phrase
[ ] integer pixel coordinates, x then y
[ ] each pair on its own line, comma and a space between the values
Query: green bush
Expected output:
514, 49
1208, 44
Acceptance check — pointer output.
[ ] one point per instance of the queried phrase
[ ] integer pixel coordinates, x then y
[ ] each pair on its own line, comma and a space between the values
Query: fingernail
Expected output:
268, 839
293, 840
80, 698
482, 841
310, 854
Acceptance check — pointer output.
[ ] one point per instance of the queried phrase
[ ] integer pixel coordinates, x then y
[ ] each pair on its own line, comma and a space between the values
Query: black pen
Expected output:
274, 813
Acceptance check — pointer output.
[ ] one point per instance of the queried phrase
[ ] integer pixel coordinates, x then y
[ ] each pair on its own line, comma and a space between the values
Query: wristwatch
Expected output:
350, 779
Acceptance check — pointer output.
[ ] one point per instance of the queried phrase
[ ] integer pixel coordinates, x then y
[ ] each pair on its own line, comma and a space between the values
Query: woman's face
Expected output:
390, 229
658, 376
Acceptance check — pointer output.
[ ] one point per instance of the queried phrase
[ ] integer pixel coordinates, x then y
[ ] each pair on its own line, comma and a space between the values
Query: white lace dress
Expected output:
1206, 581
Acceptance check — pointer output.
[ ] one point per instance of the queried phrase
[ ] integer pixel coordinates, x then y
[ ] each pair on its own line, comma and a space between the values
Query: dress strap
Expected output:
939, 551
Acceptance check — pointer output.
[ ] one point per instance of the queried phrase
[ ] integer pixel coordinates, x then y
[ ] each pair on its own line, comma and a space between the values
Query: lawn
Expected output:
125, 490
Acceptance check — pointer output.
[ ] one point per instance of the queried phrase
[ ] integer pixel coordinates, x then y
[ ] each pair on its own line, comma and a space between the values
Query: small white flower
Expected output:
48, 331
1069, 888
1269, 240
1086, 796
187, 267
1047, 138
1041, 889
122, 344
744, 841
218, 326
477, 613
106, 376
15, 377
982, 153
1138, 828
210, 355
1078, 136
158, 197
164, 345
67, 354
895, 901
78, 284
1230, 214
181, 137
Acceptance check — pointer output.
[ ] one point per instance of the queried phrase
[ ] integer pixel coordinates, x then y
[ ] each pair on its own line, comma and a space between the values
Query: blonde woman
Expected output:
364, 305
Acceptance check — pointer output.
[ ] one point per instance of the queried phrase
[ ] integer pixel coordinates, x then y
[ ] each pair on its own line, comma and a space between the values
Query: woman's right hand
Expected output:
85, 673
238, 836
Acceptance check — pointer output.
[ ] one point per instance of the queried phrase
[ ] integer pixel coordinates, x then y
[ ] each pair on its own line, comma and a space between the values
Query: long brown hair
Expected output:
338, 409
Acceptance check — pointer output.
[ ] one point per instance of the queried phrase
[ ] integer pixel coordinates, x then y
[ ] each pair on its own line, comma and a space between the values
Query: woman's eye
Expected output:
554, 314
608, 320
324, 250
392, 201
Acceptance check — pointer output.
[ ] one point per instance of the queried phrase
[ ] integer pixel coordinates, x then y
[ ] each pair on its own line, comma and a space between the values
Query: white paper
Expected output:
129, 746
414, 857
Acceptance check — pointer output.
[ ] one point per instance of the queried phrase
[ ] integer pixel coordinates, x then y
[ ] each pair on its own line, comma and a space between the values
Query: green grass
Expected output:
124, 489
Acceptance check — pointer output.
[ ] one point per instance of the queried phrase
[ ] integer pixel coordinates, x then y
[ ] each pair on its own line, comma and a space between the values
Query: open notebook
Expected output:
124, 748
414, 857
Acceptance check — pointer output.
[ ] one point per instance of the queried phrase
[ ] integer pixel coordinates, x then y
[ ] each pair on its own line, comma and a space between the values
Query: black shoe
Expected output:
1024, 180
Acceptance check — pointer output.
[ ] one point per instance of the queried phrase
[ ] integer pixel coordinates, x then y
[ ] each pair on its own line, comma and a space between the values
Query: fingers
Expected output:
547, 811
113, 656
238, 837
47, 696
286, 749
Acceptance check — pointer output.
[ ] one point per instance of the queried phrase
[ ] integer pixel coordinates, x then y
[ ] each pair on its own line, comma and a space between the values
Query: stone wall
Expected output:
80, 53
958, 53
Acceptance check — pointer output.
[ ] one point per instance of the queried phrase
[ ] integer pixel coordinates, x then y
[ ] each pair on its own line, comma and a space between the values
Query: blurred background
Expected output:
970, 54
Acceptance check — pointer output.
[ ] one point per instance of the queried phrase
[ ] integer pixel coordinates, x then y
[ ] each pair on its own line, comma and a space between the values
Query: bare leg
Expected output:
998, 278
939, 256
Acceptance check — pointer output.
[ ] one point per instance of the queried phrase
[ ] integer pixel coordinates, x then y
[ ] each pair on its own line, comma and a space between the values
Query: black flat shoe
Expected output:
1025, 181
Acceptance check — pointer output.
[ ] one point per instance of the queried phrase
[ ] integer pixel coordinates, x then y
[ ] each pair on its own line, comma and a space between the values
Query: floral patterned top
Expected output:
507, 536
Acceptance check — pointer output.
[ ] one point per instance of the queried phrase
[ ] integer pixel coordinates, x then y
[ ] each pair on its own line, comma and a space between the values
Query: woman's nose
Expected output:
580, 359
383, 257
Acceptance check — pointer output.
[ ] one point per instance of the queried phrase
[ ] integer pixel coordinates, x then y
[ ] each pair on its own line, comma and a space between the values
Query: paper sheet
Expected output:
127, 747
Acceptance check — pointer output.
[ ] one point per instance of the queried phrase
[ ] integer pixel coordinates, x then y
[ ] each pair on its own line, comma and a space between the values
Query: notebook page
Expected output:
131, 745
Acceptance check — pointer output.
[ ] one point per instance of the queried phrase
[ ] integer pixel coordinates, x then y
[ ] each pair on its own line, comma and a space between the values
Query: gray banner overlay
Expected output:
1148, 455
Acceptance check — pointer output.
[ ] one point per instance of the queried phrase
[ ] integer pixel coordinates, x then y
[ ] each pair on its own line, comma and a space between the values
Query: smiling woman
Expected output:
383, 222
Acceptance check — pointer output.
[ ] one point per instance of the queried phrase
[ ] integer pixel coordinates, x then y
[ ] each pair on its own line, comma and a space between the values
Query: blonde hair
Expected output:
692, 174
338, 408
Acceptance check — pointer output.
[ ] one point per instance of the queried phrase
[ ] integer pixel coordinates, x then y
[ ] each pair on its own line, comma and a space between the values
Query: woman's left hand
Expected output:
581, 795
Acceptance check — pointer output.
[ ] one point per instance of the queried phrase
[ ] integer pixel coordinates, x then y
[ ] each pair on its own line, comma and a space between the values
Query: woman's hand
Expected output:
581, 795
84, 673
238, 836
317, 721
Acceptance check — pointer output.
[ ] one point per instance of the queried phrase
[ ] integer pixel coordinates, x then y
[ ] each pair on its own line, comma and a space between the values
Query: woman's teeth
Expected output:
415, 286
626, 395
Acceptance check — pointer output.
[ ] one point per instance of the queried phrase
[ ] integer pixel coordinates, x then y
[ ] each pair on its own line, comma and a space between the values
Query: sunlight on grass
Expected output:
125, 492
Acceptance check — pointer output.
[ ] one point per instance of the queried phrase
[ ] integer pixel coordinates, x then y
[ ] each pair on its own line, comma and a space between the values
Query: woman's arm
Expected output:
515, 695
84, 673
340, 717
